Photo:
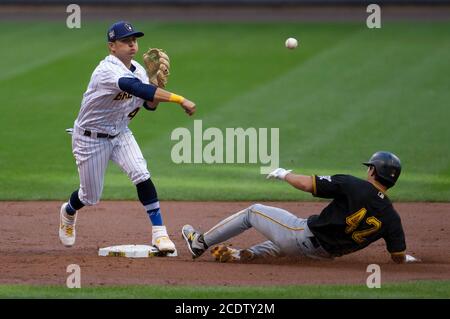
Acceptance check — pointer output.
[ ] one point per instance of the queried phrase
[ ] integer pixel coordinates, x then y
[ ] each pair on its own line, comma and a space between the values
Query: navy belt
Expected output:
99, 135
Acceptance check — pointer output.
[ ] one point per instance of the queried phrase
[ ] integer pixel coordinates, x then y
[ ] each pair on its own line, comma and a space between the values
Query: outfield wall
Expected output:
222, 13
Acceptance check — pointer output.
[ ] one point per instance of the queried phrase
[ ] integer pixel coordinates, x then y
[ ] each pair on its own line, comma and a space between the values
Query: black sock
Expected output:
147, 192
74, 204
149, 198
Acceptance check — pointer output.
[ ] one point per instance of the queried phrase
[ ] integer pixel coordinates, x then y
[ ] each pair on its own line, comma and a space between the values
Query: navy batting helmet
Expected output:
387, 167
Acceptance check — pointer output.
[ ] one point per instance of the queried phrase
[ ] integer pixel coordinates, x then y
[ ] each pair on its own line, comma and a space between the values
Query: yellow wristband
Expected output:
176, 98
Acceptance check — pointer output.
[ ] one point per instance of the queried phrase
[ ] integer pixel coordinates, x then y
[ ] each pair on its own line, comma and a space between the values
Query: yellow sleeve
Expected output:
314, 192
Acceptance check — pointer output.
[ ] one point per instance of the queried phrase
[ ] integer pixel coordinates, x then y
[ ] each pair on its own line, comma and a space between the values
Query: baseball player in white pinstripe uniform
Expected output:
118, 88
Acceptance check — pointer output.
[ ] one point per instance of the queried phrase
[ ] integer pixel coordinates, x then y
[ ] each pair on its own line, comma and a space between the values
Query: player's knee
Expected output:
251, 210
139, 177
89, 200
255, 207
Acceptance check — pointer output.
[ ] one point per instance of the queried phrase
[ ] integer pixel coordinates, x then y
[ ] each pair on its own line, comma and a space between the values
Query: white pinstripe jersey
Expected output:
105, 108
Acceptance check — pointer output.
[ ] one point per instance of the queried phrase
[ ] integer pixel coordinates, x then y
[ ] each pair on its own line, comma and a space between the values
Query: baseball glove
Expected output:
157, 65
226, 254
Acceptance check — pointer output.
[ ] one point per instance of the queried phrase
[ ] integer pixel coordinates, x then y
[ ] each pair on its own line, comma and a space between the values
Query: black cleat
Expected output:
194, 241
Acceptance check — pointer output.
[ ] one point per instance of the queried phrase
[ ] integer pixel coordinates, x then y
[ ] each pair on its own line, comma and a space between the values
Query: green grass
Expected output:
419, 289
346, 92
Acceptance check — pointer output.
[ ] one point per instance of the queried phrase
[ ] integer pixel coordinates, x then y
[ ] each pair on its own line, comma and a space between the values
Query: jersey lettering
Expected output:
133, 113
358, 236
122, 96
354, 220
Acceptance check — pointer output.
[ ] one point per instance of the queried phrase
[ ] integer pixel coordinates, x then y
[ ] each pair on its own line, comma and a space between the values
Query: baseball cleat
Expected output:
67, 233
164, 244
194, 241
161, 240
226, 254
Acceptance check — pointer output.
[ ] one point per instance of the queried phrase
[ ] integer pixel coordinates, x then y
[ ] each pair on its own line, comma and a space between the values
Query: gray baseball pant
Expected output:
288, 234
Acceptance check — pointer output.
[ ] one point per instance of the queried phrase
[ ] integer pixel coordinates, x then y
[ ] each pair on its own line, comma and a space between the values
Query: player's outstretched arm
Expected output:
153, 95
301, 182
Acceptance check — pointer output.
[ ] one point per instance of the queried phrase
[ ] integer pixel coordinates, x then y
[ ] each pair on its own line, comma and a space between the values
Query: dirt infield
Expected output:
31, 252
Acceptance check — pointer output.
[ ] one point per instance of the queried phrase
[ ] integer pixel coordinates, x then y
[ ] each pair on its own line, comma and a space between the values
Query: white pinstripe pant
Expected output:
93, 154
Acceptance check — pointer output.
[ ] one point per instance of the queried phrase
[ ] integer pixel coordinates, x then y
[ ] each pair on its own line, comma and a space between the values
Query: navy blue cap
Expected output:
121, 30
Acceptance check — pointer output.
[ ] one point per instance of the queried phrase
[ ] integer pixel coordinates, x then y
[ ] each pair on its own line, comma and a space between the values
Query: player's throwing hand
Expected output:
188, 106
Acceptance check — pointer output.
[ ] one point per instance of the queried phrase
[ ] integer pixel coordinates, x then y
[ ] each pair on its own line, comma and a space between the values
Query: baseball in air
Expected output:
291, 43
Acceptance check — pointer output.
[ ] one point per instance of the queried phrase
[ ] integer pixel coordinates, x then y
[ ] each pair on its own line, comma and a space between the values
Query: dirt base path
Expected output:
30, 251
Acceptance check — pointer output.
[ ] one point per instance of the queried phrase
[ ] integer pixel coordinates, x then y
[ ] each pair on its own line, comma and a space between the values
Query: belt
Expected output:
99, 135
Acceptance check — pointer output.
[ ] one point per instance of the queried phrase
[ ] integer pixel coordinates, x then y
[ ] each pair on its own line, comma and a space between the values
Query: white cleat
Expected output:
161, 240
67, 232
